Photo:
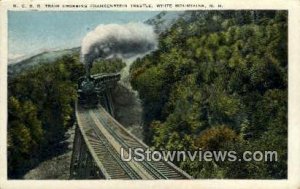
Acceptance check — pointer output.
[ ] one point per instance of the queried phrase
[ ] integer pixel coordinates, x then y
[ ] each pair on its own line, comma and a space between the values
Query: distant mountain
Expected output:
164, 20
42, 58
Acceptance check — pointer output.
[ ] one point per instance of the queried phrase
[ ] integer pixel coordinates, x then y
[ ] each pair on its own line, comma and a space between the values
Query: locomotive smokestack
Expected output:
87, 70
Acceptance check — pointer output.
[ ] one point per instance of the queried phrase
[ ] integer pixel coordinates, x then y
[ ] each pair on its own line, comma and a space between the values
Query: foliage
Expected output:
107, 66
40, 109
219, 81
214, 138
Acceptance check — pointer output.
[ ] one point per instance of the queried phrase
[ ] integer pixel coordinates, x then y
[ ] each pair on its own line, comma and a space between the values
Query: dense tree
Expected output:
107, 66
219, 81
40, 109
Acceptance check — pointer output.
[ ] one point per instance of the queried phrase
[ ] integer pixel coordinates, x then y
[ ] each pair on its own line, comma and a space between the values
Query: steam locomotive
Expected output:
87, 94
91, 86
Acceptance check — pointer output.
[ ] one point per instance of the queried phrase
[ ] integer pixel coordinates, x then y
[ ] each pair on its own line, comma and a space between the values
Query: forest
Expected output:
218, 81
41, 108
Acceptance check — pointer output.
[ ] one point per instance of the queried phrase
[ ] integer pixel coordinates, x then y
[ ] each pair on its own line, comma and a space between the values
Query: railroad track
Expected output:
105, 152
157, 169
105, 137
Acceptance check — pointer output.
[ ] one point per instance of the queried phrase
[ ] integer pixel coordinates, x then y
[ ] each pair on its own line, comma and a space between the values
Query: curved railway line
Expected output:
104, 137
159, 170
99, 139
101, 149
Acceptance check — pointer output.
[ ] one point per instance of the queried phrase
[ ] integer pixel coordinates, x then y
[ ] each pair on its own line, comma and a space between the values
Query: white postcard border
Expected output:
293, 181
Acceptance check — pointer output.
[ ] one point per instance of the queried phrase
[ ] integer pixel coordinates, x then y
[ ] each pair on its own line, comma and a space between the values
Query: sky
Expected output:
33, 32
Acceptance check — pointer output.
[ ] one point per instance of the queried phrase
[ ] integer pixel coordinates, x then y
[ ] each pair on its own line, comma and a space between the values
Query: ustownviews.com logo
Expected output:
141, 154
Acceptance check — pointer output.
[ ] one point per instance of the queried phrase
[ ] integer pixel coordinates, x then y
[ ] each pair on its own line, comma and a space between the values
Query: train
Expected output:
91, 86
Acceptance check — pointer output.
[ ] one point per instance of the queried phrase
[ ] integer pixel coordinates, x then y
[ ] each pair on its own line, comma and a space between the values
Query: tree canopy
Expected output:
218, 81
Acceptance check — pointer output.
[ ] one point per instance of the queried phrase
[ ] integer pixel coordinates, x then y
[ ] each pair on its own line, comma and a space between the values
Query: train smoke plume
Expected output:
128, 42
115, 40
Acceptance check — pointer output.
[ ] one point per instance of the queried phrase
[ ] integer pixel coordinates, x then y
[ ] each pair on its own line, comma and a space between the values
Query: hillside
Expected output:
218, 81
42, 58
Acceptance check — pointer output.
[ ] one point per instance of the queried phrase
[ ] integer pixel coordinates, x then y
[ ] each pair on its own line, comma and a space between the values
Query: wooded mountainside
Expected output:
218, 81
